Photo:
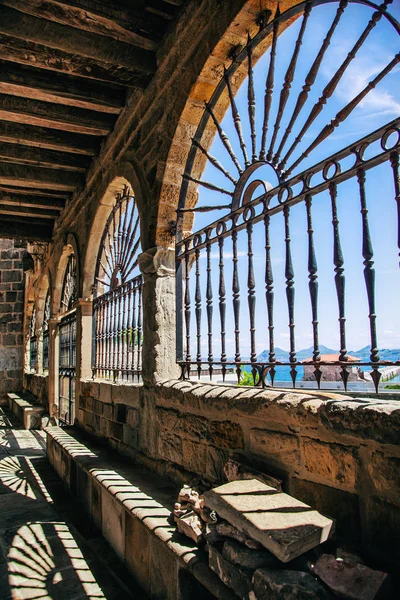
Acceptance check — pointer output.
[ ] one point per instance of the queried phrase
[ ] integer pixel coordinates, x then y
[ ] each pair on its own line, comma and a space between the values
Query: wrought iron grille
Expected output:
67, 368
117, 311
45, 334
230, 239
33, 343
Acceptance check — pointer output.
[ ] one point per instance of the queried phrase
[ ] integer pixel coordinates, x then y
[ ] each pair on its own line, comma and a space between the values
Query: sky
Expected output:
380, 107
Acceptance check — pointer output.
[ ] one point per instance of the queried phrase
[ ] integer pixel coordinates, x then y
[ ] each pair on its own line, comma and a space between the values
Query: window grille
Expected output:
33, 343
273, 139
45, 334
117, 304
67, 345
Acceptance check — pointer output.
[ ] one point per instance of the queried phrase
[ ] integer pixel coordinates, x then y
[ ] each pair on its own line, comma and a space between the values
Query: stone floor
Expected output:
48, 548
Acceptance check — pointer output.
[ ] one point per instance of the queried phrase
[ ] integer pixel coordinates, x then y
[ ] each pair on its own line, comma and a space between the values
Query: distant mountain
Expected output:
363, 354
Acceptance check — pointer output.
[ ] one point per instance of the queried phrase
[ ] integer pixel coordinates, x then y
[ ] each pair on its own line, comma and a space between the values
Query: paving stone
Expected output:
348, 579
225, 530
282, 524
233, 576
286, 585
247, 558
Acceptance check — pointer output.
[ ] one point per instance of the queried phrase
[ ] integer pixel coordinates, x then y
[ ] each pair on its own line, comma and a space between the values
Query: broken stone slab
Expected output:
247, 558
211, 534
191, 526
286, 585
282, 524
239, 580
225, 530
234, 470
348, 579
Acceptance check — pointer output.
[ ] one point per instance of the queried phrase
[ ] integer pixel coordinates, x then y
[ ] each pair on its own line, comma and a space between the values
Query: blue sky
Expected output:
380, 106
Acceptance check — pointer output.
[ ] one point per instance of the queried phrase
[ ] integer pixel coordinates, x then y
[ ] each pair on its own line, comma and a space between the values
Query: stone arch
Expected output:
122, 174
70, 247
246, 22
43, 286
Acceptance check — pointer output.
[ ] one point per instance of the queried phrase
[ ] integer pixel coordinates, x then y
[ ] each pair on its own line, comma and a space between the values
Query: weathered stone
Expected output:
211, 534
282, 524
333, 462
247, 558
234, 470
233, 576
225, 530
385, 472
278, 448
191, 526
348, 579
226, 434
286, 585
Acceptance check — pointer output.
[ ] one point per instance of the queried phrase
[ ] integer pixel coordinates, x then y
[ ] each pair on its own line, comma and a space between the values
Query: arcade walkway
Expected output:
48, 549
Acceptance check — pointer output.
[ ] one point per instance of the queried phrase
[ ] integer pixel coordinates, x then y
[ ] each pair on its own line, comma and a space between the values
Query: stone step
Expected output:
282, 524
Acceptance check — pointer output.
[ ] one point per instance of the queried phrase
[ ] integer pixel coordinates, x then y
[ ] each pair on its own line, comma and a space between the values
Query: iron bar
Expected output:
236, 298
222, 304
290, 292
394, 161
209, 304
269, 86
224, 139
207, 184
237, 121
214, 161
269, 294
187, 306
198, 312
251, 100
313, 285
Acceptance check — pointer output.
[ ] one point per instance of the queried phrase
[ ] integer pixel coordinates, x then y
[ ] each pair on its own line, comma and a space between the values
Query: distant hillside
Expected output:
363, 354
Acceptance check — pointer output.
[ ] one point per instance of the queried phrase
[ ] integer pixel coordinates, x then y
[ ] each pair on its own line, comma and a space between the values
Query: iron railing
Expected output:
379, 147
33, 353
67, 368
45, 350
117, 336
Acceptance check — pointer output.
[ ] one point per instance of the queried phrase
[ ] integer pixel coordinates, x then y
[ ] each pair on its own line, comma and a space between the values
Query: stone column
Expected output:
158, 268
84, 339
54, 353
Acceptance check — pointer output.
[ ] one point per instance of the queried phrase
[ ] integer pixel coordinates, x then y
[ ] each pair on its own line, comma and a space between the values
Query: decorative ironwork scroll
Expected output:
117, 309
279, 136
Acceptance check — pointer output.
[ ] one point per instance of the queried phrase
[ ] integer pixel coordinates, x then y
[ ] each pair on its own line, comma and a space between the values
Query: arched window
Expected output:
33, 342
286, 262
45, 333
67, 337
117, 305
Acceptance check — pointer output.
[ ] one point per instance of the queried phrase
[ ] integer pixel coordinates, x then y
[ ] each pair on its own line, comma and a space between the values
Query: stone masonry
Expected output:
11, 315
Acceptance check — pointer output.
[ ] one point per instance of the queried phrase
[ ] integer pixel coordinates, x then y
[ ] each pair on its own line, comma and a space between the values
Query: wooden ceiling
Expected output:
66, 70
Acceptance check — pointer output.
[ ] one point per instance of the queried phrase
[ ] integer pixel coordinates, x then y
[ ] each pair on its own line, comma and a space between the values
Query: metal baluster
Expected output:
236, 119
251, 293
340, 282
224, 139
369, 276
394, 161
331, 86
114, 333
236, 298
289, 274
269, 294
124, 333
198, 312
313, 288
207, 185
187, 309
139, 335
309, 82
106, 336
209, 303
222, 304
251, 100
133, 331
119, 332
285, 92
214, 161
269, 86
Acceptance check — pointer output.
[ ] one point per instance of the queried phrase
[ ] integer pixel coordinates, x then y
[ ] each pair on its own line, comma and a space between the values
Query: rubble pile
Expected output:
265, 544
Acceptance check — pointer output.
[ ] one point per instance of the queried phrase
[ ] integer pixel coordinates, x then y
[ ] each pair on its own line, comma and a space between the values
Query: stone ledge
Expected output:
374, 419
135, 499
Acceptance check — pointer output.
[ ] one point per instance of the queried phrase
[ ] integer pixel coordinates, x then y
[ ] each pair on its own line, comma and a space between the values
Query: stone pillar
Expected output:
84, 328
54, 353
158, 268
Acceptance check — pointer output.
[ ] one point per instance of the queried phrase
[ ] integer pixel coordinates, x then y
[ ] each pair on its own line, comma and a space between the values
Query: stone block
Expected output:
132, 417
96, 504
338, 464
117, 431
282, 524
248, 558
239, 580
341, 506
130, 436
105, 392
137, 550
226, 434
108, 412
278, 448
286, 585
163, 581
349, 580
98, 407
194, 456
126, 394
381, 530
120, 411
216, 460
169, 447
113, 522
385, 472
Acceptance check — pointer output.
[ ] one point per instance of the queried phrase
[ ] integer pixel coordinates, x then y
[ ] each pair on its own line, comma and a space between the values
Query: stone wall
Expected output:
339, 454
11, 315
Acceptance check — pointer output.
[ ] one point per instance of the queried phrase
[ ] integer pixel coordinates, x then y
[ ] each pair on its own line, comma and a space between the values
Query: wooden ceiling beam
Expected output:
21, 51
25, 82
83, 19
25, 211
54, 116
41, 157
52, 139
12, 199
68, 39
33, 177
28, 229
23, 191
